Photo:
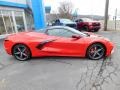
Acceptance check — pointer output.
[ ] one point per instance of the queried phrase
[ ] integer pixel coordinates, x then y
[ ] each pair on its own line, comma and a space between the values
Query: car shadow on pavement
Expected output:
60, 58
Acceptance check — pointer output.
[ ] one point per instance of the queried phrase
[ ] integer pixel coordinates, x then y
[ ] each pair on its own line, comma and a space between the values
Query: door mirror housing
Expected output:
76, 36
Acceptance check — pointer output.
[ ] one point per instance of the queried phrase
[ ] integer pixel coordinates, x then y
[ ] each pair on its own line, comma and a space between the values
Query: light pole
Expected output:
106, 15
116, 19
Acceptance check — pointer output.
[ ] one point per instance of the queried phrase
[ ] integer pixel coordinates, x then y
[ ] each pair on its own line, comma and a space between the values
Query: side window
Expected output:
77, 21
80, 20
60, 33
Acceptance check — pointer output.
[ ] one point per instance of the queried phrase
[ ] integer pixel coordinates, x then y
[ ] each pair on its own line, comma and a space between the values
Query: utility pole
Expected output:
106, 15
116, 19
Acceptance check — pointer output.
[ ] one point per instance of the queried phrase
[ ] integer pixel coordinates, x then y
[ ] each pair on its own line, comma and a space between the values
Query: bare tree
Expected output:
65, 10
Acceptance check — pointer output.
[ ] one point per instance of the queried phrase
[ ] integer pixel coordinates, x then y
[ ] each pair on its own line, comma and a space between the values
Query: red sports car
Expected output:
87, 24
57, 41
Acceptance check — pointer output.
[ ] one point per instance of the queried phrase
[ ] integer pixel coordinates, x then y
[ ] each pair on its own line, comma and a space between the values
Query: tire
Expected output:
96, 30
96, 51
85, 28
21, 52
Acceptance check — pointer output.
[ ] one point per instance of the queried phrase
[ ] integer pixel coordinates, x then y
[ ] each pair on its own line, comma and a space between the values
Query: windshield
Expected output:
76, 31
64, 28
66, 21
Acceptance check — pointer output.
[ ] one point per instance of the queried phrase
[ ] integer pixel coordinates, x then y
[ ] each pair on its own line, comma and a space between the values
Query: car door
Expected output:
62, 43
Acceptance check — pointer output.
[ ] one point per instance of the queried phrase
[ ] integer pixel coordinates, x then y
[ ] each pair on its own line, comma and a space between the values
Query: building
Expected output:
47, 9
21, 15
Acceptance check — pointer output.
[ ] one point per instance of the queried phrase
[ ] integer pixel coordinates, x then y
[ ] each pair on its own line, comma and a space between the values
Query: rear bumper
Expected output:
8, 47
113, 50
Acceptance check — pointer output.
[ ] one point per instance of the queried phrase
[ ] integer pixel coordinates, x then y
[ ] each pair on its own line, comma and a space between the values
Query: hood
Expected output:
70, 23
96, 36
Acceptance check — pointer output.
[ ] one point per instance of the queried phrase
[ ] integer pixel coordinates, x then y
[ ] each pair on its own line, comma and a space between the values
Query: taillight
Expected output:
6, 39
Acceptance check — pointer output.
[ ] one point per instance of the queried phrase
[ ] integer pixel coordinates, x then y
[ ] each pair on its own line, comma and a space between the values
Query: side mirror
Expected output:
76, 36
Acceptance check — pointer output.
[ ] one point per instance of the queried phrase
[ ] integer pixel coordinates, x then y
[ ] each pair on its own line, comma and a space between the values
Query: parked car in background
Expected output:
65, 22
20, 27
87, 24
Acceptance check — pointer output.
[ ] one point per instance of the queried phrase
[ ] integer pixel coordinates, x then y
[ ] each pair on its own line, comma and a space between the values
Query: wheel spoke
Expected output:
94, 54
17, 53
19, 49
98, 54
24, 50
24, 54
99, 50
21, 55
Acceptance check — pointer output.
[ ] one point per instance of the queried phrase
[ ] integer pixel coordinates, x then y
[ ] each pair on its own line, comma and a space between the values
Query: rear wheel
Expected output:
21, 52
96, 51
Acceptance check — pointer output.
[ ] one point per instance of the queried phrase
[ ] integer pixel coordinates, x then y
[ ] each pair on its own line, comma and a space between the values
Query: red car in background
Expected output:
87, 24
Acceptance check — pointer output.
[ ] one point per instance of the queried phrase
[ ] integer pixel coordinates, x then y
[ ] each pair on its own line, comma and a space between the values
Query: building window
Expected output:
12, 21
2, 28
19, 21
7, 21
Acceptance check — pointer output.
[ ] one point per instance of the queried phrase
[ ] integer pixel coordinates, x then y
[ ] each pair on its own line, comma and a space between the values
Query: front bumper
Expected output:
110, 48
113, 50
94, 27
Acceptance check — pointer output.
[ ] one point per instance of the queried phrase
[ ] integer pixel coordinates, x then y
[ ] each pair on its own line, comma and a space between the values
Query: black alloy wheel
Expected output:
96, 51
21, 52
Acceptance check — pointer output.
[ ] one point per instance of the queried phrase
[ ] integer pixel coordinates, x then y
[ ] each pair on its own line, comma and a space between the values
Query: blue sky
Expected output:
87, 7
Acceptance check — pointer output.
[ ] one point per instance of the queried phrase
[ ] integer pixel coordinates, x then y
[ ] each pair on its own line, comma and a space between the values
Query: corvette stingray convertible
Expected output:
58, 41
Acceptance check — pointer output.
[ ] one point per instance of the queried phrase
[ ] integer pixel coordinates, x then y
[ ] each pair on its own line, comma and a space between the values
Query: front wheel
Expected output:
21, 52
85, 28
96, 30
96, 51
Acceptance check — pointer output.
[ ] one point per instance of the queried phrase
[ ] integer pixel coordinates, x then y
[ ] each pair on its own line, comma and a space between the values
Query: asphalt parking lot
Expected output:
62, 73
